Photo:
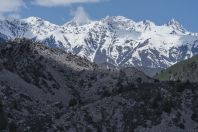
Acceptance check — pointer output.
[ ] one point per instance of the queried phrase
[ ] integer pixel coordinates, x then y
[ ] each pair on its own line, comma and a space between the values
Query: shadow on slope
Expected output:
45, 89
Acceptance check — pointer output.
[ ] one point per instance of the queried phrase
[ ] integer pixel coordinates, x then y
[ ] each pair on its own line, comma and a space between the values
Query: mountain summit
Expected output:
176, 25
113, 41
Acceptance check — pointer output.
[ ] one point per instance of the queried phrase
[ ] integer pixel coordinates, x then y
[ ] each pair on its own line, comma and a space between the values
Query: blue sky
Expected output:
158, 11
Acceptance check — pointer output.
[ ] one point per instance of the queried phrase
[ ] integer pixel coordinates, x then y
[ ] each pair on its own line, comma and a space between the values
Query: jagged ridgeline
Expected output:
112, 41
46, 90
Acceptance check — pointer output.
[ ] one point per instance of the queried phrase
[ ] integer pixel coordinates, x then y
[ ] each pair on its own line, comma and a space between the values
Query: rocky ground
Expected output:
47, 90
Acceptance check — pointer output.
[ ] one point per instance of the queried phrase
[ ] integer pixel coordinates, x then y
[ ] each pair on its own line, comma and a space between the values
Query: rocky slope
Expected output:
112, 41
183, 71
46, 90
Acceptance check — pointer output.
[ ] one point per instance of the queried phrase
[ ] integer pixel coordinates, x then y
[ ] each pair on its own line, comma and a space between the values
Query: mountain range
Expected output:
111, 42
45, 89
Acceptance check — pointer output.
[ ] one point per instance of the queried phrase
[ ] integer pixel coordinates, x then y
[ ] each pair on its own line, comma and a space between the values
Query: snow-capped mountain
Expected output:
113, 41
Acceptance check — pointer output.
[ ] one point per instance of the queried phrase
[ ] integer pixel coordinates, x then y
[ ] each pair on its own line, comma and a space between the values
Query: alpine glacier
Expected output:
113, 41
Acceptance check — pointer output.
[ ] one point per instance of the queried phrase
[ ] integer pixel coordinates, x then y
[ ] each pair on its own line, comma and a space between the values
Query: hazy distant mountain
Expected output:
46, 90
183, 71
112, 41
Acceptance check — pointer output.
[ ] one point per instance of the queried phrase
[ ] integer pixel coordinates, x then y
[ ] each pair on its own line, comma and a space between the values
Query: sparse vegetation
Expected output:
12, 127
182, 71
58, 96
73, 102
139, 80
3, 119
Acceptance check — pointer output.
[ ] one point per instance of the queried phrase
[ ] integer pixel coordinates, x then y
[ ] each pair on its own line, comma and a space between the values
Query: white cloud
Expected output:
50, 3
10, 6
80, 16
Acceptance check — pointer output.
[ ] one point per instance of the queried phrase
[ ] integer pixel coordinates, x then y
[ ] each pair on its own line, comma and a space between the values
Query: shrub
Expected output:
73, 102
187, 81
181, 125
81, 83
12, 127
178, 80
1, 105
90, 85
194, 117
156, 80
106, 94
3, 121
167, 106
93, 78
139, 80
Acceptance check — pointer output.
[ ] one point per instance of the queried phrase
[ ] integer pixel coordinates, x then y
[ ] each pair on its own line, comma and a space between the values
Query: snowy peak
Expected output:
118, 23
173, 22
148, 23
33, 19
176, 25
116, 41
37, 21
117, 19
145, 25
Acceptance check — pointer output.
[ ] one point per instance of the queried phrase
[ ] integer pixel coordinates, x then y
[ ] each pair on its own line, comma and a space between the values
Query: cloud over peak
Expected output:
50, 3
80, 16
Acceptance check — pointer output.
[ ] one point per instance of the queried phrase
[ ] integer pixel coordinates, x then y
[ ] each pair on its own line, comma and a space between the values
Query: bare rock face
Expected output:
113, 41
46, 90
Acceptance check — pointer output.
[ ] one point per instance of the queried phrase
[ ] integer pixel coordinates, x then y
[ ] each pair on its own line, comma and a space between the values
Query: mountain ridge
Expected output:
116, 41
47, 89
185, 71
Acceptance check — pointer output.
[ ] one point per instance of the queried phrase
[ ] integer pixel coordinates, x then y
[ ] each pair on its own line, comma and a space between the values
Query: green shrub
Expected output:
73, 102
167, 106
187, 82
106, 94
139, 80
12, 127
81, 83
3, 121
156, 80
1, 105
